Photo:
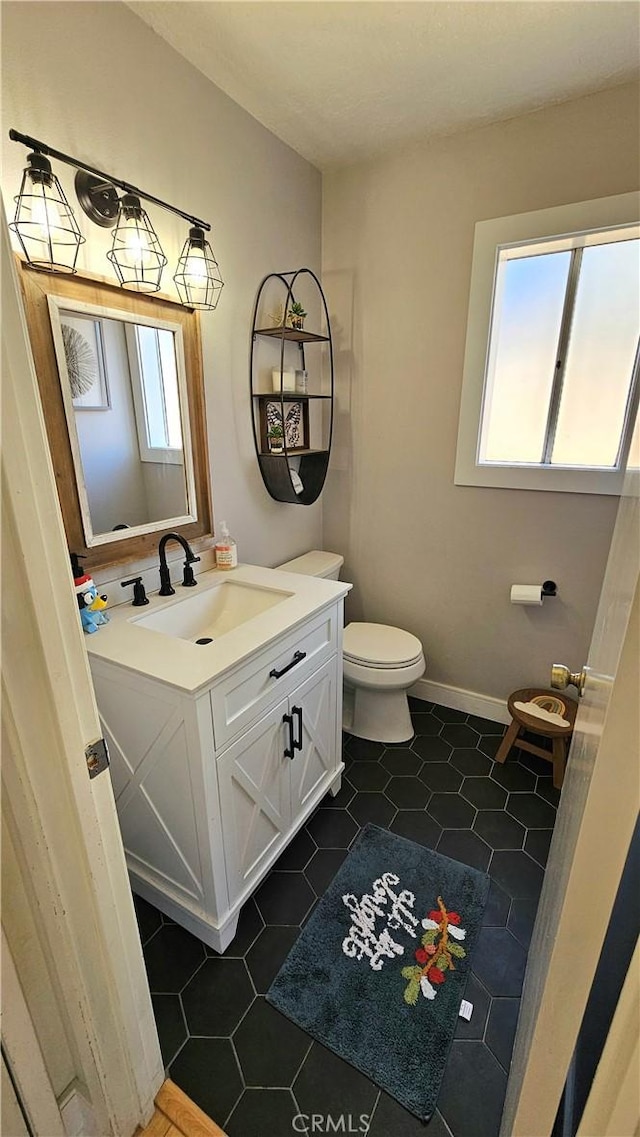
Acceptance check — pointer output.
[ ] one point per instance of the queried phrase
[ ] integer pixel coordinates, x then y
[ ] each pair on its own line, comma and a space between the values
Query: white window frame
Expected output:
490, 238
167, 455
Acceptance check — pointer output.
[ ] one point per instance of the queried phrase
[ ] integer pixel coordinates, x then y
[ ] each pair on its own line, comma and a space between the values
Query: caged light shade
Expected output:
198, 278
44, 222
136, 253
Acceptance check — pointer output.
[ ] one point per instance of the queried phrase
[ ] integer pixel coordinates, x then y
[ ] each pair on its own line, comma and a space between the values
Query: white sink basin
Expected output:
209, 614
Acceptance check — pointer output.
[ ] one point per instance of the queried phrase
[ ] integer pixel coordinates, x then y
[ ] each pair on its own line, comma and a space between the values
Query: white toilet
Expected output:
380, 663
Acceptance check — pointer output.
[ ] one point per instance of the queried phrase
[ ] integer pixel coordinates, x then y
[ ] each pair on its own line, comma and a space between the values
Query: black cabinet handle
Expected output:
297, 657
297, 711
291, 748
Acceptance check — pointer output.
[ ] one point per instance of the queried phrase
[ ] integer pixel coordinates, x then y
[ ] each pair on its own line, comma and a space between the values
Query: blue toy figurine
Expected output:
91, 605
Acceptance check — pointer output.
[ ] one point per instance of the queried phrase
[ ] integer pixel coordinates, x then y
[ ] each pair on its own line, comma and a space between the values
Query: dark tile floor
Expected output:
251, 1069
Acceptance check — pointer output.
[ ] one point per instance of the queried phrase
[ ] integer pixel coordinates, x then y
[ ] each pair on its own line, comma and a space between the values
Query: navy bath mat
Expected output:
379, 972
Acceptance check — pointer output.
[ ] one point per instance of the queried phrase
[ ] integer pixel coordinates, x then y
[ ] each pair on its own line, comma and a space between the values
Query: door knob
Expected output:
562, 677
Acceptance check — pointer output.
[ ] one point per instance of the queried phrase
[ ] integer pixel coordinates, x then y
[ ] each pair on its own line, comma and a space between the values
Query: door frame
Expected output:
66, 824
612, 1106
23, 1055
594, 827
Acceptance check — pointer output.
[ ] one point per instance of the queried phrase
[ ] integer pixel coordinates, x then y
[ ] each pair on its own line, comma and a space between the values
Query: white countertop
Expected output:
190, 666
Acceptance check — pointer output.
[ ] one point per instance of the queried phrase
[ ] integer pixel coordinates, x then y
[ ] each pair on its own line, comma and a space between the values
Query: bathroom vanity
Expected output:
221, 749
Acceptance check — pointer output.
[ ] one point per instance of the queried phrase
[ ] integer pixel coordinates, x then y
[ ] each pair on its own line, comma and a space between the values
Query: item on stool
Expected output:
559, 728
533, 707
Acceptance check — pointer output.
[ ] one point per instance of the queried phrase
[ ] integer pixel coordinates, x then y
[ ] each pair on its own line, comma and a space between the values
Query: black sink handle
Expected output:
139, 594
298, 656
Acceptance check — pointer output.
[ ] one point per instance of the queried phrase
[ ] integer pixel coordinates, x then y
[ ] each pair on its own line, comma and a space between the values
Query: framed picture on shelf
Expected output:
294, 430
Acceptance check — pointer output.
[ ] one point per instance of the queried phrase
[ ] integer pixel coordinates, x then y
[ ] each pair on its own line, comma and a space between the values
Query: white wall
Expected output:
92, 80
432, 557
165, 489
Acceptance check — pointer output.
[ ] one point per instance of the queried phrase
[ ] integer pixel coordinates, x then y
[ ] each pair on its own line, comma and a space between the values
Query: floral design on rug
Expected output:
436, 955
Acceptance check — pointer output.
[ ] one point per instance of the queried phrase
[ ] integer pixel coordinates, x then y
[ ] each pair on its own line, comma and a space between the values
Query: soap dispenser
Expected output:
226, 549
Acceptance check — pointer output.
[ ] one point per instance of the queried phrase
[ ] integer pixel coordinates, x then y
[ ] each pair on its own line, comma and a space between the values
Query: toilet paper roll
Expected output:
526, 594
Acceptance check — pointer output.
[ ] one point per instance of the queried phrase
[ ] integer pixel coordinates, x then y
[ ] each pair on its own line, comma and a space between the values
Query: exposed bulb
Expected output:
44, 223
45, 216
135, 247
198, 277
195, 269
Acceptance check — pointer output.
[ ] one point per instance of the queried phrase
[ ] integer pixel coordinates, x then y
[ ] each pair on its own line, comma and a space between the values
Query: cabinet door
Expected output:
253, 778
313, 706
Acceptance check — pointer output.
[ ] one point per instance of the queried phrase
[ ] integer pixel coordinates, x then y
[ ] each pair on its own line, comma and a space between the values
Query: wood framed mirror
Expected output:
121, 383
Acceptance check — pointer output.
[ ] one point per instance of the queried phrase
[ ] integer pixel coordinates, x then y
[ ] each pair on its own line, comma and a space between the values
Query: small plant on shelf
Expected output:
296, 316
276, 440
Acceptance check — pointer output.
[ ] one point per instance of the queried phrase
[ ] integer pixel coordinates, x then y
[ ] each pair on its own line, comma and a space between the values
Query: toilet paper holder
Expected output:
533, 594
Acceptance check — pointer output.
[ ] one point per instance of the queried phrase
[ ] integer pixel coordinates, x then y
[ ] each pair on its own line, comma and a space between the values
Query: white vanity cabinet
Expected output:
209, 788
266, 790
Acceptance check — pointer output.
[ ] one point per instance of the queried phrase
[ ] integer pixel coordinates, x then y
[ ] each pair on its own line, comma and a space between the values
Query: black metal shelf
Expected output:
311, 464
312, 471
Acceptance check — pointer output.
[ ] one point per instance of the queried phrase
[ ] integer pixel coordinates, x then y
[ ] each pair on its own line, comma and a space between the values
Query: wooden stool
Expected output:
561, 735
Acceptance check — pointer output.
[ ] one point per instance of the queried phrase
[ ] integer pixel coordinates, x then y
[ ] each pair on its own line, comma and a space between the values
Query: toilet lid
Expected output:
380, 645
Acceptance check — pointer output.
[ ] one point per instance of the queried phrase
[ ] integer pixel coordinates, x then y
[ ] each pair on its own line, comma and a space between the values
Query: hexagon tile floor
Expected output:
250, 1068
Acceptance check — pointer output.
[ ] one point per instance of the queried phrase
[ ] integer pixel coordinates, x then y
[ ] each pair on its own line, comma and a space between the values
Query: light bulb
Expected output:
135, 253
195, 269
198, 277
44, 223
45, 216
135, 247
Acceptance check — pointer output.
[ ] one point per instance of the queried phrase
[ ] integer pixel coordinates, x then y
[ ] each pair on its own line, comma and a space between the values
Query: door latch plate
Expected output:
97, 756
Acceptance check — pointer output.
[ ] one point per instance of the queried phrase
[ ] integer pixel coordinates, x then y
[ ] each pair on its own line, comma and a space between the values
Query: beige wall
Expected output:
398, 233
94, 81
432, 557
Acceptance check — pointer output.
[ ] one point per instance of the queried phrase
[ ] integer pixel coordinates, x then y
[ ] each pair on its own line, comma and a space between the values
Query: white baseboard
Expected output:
472, 703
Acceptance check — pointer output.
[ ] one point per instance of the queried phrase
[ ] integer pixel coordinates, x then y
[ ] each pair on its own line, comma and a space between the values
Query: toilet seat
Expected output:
380, 646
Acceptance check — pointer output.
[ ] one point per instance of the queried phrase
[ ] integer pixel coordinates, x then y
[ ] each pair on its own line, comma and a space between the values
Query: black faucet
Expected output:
188, 579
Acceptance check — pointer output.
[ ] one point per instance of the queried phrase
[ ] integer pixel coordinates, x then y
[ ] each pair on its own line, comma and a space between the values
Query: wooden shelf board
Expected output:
288, 396
292, 334
291, 453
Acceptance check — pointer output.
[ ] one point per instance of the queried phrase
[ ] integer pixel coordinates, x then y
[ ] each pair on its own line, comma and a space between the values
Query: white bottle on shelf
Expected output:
226, 549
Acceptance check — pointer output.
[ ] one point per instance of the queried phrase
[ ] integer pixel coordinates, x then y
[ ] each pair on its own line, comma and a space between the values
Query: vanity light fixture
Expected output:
136, 253
44, 224
198, 279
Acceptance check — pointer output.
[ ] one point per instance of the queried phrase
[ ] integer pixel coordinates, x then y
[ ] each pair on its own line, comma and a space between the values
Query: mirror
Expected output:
120, 377
124, 392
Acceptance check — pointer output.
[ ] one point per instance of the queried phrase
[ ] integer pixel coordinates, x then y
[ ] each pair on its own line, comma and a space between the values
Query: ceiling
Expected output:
344, 80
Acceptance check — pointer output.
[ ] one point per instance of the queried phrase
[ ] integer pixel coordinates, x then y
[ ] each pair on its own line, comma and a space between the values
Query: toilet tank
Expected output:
315, 563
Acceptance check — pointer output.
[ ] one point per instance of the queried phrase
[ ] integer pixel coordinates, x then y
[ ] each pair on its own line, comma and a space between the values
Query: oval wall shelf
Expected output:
297, 473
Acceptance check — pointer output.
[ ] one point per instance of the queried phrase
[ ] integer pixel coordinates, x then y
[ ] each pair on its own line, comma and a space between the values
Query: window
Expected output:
152, 360
551, 363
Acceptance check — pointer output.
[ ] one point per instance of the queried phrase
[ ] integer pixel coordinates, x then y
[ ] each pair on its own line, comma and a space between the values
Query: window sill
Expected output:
536, 478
